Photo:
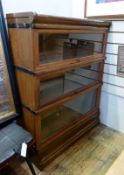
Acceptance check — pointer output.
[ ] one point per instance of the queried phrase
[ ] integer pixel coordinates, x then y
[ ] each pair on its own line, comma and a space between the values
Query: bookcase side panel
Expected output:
22, 47
28, 89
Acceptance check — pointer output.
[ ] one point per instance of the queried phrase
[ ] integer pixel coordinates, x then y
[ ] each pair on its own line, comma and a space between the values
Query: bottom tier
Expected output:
49, 149
49, 152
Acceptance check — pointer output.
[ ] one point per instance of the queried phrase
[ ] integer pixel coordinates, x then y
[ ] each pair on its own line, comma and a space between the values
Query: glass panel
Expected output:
6, 99
64, 115
52, 89
57, 47
94, 38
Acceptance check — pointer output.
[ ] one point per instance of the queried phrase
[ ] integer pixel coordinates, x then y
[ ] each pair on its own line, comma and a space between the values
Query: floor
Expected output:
93, 154
118, 166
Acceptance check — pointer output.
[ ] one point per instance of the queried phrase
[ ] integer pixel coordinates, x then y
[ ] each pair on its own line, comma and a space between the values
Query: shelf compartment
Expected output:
49, 150
53, 146
53, 88
49, 48
37, 91
58, 47
36, 40
66, 114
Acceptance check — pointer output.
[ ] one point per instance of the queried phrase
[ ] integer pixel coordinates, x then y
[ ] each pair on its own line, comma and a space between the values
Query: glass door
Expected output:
62, 116
54, 47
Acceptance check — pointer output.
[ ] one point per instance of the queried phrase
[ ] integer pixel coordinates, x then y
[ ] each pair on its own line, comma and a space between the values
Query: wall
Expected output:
112, 99
112, 96
69, 8
78, 7
50, 7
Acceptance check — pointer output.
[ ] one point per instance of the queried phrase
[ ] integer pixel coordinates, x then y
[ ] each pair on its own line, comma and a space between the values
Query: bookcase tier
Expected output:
37, 91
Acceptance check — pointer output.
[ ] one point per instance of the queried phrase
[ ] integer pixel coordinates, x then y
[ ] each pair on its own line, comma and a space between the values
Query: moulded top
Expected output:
34, 20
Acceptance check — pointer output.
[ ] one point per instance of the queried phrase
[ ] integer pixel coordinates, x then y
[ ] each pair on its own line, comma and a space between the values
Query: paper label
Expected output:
24, 150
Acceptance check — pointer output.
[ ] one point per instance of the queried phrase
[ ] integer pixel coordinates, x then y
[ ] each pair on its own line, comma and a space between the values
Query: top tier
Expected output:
34, 20
40, 41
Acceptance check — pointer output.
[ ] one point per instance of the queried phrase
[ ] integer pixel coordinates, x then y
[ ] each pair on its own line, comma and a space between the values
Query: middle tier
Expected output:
37, 91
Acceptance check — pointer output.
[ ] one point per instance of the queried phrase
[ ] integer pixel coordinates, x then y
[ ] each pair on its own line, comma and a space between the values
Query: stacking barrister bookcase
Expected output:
59, 67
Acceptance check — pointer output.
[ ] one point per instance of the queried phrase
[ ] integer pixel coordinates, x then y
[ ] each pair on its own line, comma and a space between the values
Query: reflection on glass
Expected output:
64, 115
6, 100
57, 47
69, 81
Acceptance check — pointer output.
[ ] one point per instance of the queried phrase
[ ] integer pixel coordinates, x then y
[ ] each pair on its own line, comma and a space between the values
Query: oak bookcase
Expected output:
59, 72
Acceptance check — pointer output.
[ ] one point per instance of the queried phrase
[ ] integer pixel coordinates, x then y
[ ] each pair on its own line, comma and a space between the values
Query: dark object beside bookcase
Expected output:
11, 134
59, 73
9, 101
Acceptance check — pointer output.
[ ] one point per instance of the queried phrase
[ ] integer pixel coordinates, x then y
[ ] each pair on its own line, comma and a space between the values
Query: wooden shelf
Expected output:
45, 70
68, 28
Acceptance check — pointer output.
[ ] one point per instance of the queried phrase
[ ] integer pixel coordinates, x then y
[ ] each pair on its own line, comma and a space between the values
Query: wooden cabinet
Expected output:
59, 70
